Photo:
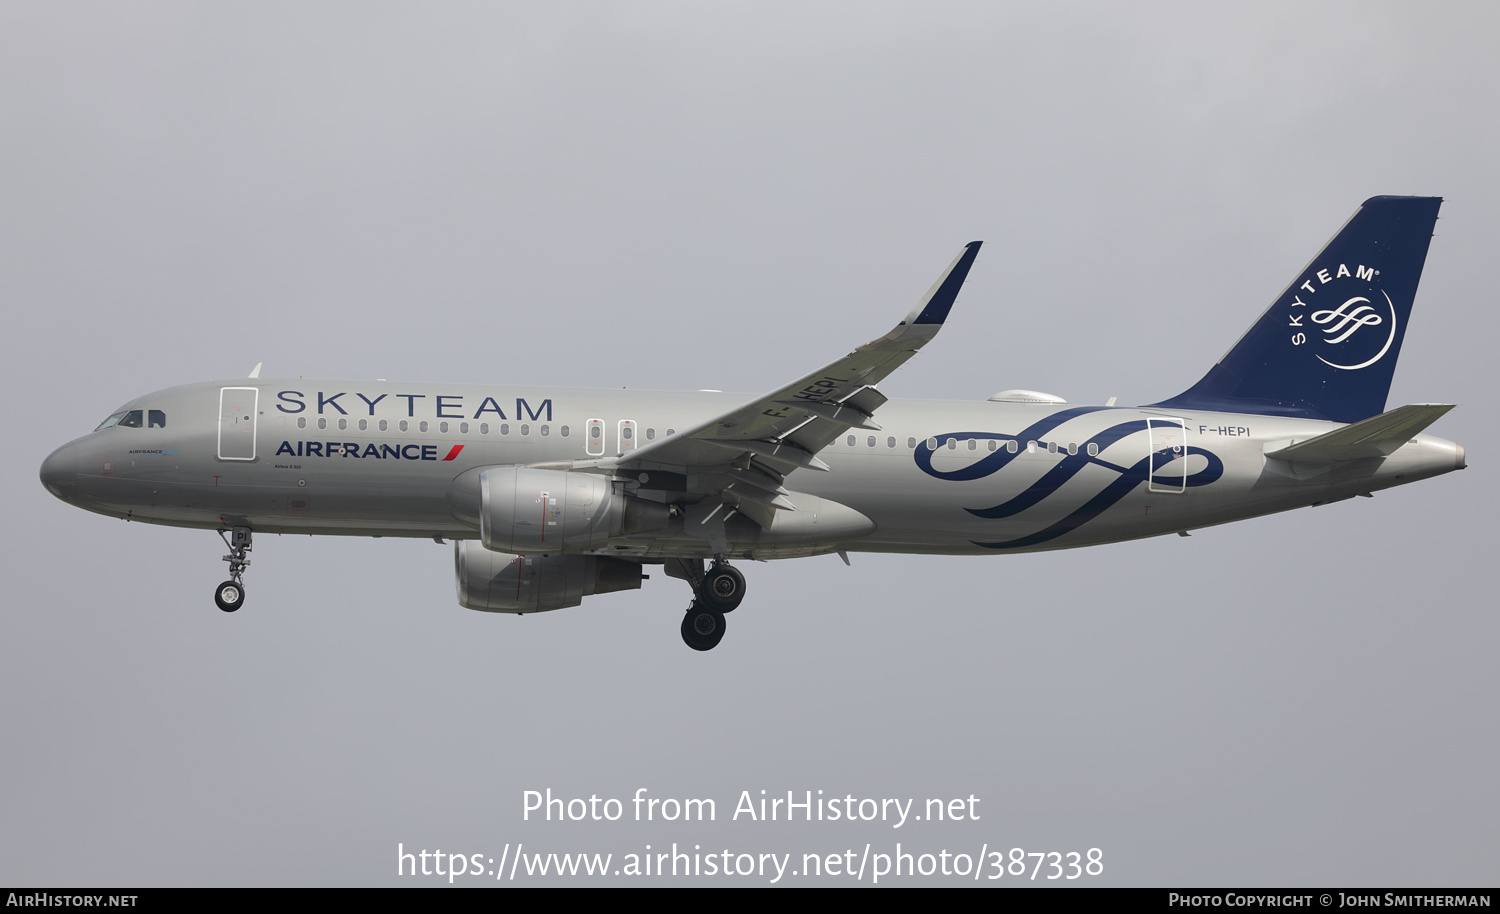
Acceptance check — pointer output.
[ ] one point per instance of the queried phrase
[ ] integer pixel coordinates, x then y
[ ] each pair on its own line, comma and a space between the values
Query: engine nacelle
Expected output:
537, 511
500, 582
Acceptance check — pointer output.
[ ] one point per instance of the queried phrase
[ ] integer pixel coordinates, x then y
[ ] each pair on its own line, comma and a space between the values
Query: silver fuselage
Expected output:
943, 477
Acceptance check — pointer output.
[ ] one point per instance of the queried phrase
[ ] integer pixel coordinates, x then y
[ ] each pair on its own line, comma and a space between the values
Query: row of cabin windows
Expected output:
133, 418
155, 418
1052, 447
443, 428
484, 428
627, 433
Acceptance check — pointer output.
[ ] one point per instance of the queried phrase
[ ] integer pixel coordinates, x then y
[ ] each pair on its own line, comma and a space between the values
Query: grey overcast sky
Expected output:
726, 195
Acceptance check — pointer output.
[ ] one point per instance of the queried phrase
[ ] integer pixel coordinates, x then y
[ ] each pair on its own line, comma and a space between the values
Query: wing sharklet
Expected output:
939, 299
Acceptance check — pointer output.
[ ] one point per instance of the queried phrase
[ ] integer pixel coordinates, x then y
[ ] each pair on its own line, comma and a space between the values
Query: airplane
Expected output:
553, 495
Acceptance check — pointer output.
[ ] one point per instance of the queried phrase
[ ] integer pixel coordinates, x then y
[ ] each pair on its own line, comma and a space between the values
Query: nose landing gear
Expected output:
230, 595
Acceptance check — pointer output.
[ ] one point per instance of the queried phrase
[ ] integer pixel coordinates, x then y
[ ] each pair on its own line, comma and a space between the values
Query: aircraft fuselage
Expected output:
942, 477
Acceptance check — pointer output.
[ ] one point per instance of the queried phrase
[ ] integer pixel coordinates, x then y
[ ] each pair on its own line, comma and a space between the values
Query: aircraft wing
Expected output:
743, 455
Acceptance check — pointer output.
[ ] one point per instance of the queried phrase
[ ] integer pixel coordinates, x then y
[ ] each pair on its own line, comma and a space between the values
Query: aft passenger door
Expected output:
1168, 455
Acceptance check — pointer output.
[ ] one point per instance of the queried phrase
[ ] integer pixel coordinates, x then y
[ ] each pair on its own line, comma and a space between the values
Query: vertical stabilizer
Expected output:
1327, 347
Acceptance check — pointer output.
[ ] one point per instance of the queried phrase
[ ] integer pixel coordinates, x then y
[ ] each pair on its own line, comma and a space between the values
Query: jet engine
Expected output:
504, 583
538, 511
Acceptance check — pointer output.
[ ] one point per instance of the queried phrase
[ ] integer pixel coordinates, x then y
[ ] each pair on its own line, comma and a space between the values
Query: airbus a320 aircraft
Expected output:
552, 495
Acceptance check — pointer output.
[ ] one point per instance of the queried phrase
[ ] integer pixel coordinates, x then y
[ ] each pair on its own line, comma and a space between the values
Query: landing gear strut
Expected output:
718, 590
230, 595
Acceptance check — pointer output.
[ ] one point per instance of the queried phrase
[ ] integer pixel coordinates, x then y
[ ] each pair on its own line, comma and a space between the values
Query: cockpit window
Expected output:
135, 418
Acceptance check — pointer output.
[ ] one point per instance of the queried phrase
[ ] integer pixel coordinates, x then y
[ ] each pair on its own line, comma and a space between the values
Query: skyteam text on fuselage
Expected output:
551, 495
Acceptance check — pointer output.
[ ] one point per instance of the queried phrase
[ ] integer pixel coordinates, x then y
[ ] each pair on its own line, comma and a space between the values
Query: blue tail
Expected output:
1326, 349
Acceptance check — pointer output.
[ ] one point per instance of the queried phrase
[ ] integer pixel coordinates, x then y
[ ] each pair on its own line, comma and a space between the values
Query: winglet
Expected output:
255, 372
940, 298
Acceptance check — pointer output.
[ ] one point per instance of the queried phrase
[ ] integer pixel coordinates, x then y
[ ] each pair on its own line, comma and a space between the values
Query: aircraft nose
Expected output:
60, 473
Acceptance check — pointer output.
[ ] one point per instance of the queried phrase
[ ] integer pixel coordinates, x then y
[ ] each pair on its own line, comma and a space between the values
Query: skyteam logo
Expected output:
1152, 467
1353, 331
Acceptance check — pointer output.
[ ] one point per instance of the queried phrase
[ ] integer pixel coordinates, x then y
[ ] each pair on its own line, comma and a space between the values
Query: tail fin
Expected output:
1327, 347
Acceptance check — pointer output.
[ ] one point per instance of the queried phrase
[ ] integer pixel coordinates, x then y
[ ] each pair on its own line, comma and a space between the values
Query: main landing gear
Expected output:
230, 595
719, 590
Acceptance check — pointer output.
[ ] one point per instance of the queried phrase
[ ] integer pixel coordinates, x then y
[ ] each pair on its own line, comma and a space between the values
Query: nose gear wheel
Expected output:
230, 595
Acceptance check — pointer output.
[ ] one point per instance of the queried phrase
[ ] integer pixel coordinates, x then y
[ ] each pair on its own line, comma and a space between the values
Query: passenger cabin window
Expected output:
422, 426
564, 431
851, 441
442, 427
463, 428
650, 434
322, 422
155, 418
302, 422
404, 426
546, 430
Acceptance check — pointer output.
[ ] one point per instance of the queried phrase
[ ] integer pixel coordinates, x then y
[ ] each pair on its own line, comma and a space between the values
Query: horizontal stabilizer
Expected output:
1378, 436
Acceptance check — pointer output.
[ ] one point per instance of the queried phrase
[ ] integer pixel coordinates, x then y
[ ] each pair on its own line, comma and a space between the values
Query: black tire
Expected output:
702, 629
230, 596
722, 588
